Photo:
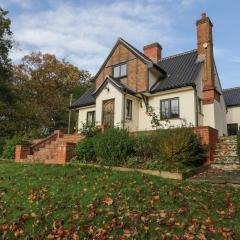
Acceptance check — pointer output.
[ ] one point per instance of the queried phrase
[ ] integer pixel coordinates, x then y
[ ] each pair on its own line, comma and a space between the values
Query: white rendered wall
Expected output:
82, 115
187, 108
233, 115
132, 124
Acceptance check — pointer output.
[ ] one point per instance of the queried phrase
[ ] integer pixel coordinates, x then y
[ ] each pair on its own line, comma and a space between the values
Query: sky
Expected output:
84, 31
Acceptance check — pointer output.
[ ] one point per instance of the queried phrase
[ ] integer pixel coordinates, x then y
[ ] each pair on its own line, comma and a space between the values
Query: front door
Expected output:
108, 113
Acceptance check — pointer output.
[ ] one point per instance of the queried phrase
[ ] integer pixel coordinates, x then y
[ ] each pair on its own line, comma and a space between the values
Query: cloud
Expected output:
85, 33
20, 3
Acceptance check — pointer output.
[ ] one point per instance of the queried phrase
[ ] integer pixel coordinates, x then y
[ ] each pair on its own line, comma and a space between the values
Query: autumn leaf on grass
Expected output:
108, 201
157, 197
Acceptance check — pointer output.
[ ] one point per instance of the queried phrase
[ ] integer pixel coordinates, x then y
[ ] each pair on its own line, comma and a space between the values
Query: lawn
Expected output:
72, 202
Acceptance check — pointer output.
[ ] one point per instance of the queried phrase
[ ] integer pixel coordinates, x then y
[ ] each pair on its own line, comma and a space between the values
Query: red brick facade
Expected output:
137, 70
21, 152
205, 51
208, 136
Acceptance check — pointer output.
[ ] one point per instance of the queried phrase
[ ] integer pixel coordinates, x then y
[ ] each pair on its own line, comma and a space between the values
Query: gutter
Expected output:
196, 105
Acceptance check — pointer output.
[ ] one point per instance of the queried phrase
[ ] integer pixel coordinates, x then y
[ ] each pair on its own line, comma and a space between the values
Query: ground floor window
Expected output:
129, 109
91, 118
169, 108
232, 129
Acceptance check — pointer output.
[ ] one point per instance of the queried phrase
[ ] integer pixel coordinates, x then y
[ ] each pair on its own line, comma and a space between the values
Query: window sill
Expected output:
166, 119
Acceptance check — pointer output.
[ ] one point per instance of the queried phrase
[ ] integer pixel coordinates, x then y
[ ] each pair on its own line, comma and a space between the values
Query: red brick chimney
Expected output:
205, 52
153, 51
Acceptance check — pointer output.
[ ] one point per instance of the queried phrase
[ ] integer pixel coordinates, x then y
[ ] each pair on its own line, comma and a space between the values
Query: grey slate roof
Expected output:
232, 96
86, 99
182, 70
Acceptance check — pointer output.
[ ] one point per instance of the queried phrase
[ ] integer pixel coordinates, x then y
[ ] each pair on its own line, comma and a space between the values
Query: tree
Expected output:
43, 85
6, 95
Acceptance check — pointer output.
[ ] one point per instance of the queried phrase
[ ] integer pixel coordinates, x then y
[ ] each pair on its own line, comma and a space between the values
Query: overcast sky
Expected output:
83, 32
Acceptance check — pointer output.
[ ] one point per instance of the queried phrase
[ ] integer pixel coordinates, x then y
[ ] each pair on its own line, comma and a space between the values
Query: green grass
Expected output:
72, 202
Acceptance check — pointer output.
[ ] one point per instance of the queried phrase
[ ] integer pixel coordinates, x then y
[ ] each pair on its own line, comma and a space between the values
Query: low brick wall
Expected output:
208, 136
65, 152
21, 152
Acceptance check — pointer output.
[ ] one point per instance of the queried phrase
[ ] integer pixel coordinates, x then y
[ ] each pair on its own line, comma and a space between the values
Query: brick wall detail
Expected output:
208, 136
137, 69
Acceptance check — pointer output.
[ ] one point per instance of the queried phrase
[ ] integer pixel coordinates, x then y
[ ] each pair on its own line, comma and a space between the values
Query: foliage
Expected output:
85, 151
238, 144
113, 146
43, 85
180, 146
10, 146
71, 202
145, 146
169, 149
89, 130
6, 93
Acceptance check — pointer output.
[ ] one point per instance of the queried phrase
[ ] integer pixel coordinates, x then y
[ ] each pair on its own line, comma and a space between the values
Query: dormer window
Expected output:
120, 70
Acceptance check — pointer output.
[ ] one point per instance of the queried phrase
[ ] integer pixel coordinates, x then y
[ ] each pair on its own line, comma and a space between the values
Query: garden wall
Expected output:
208, 136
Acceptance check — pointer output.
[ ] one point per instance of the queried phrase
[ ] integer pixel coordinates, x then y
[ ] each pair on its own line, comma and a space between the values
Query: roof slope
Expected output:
232, 96
182, 70
86, 99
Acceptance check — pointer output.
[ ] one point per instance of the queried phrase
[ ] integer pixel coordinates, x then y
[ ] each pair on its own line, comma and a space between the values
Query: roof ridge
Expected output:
227, 89
178, 54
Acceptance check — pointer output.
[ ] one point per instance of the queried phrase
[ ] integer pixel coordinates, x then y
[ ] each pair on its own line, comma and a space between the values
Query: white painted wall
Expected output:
82, 115
110, 92
132, 125
186, 103
233, 115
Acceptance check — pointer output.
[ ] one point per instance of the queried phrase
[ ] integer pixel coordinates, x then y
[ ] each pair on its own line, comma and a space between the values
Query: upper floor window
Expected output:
129, 109
120, 70
169, 108
90, 118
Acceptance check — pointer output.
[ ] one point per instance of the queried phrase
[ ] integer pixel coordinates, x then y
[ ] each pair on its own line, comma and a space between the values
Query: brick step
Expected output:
51, 161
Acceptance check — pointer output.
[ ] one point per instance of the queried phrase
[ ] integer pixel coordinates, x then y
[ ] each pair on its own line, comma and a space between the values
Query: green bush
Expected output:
238, 144
180, 147
89, 130
85, 150
10, 146
168, 149
113, 146
145, 146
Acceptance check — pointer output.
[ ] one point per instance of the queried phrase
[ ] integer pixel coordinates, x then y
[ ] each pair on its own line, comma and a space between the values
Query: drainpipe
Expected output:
124, 103
196, 105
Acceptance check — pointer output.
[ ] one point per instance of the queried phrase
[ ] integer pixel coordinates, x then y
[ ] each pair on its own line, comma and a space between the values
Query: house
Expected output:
181, 88
232, 99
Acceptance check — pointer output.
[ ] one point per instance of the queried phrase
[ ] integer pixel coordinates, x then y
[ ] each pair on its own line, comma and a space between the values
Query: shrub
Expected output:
10, 146
238, 144
89, 130
113, 146
85, 151
180, 147
145, 146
